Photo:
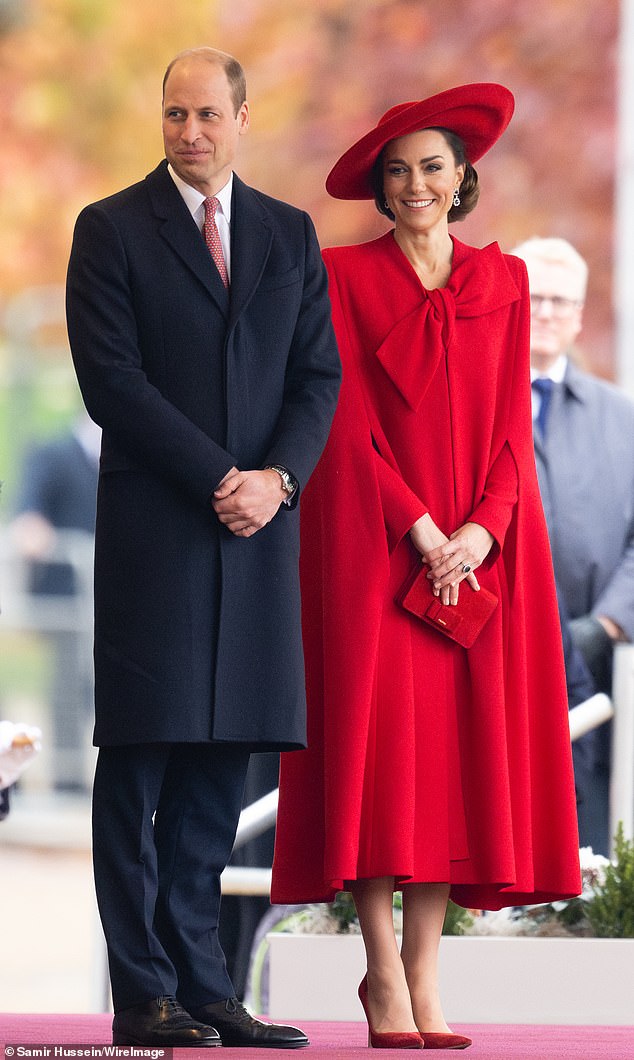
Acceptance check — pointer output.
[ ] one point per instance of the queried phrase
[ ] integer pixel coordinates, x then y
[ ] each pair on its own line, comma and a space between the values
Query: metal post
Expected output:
101, 998
622, 772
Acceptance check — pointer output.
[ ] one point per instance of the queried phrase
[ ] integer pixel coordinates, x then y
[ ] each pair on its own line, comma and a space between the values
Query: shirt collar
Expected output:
194, 199
556, 372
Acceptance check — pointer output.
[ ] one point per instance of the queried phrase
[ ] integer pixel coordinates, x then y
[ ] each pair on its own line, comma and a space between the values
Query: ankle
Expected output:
389, 1004
428, 1015
426, 1004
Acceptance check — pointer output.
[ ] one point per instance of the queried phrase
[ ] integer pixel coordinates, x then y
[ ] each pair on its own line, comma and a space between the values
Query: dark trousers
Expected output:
592, 777
164, 823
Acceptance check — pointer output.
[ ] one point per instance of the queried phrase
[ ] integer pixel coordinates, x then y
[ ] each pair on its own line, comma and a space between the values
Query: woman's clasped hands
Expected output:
451, 559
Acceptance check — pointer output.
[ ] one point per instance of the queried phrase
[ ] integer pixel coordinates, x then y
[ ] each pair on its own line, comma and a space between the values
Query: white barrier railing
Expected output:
256, 818
246, 881
589, 714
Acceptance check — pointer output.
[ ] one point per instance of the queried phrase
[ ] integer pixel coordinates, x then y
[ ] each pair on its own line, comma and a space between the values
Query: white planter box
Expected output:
483, 980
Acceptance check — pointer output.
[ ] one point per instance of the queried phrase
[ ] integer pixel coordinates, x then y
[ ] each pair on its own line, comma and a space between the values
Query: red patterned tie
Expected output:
212, 238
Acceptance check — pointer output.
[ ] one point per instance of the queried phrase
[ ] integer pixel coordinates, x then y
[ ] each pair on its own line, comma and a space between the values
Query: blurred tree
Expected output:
10, 14
81, 80
325, 73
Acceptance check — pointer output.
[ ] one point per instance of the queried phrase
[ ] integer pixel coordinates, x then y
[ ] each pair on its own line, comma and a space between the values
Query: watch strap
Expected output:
289, 484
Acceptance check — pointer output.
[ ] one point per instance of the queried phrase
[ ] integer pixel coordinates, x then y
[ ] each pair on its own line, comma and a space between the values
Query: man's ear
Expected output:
243, 118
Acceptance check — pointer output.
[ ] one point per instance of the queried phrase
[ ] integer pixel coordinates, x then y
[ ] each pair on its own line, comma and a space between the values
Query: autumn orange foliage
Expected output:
80, 83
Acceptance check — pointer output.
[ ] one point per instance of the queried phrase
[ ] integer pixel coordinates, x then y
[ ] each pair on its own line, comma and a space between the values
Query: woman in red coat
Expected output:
432, 768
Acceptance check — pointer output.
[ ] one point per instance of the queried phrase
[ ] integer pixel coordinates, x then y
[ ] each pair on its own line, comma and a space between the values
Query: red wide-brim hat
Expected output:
477, 113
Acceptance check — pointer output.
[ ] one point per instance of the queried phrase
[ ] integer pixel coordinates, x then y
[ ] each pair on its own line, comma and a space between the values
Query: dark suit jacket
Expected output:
586, 478
197, 631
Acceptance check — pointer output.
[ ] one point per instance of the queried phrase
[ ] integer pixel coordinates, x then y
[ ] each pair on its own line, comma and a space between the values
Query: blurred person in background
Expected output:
59, 493
19, 743
581, 687
583, 432
200, 328
433, 767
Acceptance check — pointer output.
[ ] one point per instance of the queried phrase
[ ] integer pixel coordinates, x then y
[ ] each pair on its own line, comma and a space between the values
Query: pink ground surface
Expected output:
490, 1042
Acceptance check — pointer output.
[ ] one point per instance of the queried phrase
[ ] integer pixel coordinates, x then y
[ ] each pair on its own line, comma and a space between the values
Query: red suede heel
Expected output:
440, 1040
387, 1039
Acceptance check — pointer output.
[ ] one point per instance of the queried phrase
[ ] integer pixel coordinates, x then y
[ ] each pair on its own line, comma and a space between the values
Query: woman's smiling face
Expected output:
420, 176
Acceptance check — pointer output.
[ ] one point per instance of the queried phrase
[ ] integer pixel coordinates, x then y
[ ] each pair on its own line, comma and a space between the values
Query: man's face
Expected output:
556, 309
200, 127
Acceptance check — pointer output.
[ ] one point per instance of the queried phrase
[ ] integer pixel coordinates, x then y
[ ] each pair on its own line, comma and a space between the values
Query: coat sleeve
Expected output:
104, 342
514, 443
495, 510
401, 507
617, 599
313, 375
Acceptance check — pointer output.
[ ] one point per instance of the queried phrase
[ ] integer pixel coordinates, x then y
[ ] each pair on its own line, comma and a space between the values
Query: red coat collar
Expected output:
480, 283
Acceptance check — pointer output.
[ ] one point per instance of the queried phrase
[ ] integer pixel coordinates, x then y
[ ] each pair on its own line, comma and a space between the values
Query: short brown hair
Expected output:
230, 65
469, 189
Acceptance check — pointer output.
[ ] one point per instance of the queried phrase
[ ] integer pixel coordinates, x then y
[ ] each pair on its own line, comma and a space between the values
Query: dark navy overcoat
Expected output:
197, 632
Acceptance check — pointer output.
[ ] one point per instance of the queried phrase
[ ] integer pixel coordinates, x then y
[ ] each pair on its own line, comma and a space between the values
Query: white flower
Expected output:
590, 861
593, 868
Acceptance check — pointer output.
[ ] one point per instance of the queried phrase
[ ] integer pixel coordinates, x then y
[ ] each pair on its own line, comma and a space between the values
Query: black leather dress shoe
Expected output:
161, 1021
237, 1027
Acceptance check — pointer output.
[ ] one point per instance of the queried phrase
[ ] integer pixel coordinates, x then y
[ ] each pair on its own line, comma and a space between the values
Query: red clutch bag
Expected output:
461, 622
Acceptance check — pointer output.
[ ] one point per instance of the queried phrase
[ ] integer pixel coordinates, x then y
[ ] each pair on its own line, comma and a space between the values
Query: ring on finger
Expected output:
466, 567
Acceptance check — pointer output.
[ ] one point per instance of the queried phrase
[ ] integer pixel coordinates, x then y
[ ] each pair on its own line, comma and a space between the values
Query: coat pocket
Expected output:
271, 282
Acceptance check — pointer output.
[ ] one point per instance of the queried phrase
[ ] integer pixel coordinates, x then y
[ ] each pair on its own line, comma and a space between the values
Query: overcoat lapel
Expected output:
251, 238
179, 230
538, 442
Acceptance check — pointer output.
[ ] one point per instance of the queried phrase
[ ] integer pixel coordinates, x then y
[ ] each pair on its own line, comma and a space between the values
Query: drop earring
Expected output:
456, 197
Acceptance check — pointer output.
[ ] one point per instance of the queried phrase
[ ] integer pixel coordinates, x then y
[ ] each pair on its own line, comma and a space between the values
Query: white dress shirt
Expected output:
194, 201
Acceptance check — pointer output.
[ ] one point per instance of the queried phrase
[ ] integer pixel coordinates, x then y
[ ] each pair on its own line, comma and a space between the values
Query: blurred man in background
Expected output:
58, 495
584, 448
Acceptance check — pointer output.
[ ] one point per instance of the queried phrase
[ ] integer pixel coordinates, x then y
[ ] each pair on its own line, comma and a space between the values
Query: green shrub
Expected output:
457, 920
611, 911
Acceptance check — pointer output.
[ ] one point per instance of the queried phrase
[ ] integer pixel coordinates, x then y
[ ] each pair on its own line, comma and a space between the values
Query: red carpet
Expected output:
330, 1040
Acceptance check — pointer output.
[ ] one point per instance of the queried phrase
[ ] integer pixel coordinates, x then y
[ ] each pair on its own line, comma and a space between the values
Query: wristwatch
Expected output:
289, 485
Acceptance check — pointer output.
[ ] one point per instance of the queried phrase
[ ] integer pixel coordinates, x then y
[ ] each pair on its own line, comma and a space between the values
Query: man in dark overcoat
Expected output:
200, 329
